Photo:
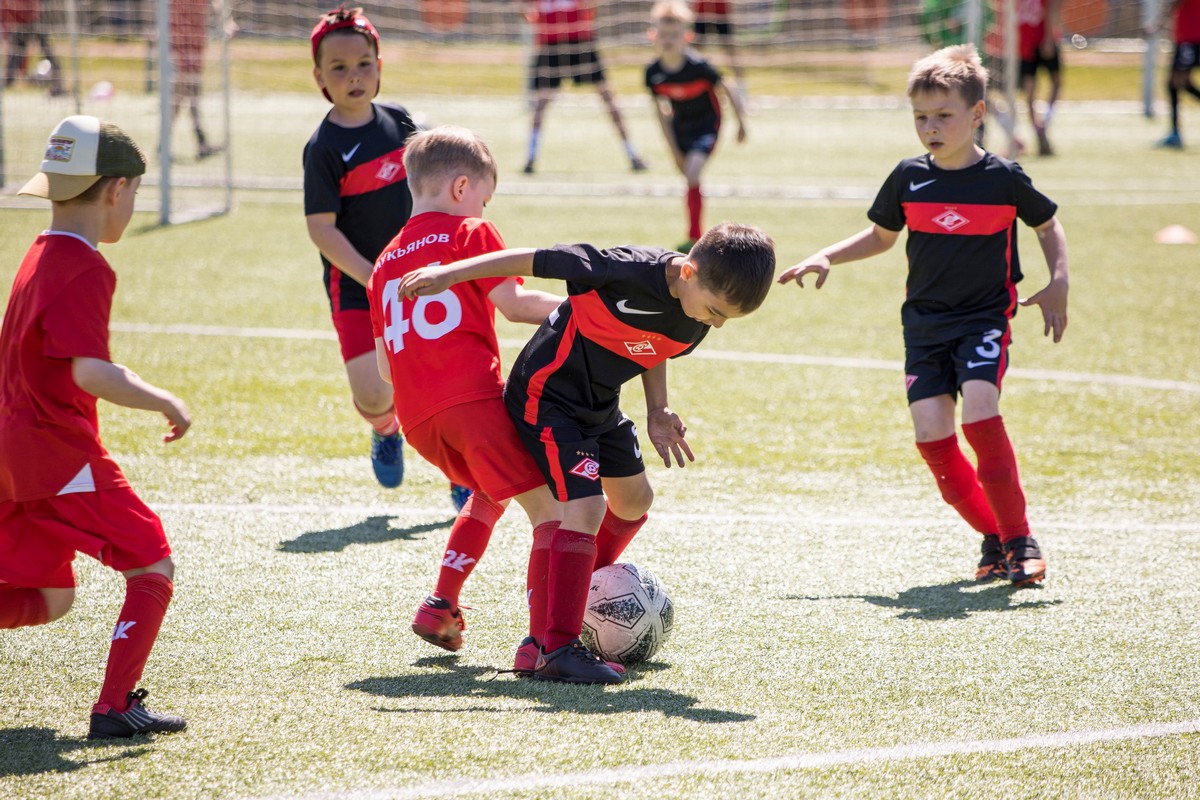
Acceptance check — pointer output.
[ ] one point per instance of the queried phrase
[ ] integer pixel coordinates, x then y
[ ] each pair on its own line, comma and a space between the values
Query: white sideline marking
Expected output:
1127, 381
796, 761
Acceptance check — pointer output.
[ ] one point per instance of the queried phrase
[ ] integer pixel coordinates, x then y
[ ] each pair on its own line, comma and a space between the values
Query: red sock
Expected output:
615, 535
146, 599
695, 205
998, 475
385, 424
572, 555
535, 579
958, 483
21, 607
468, 539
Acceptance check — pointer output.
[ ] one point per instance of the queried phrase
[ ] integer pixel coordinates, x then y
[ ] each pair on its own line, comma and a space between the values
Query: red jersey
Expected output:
711, 9
442, 349
563, 21
1187, 22
1031, 27
49, 432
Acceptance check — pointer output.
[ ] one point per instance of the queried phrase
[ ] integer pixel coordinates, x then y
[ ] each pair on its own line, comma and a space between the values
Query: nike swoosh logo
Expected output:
912, 187
974, 364
353, 150
623, 307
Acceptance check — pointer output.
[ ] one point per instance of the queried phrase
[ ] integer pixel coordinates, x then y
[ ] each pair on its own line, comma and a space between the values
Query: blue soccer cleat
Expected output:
1172, 142
387, 459
459, 495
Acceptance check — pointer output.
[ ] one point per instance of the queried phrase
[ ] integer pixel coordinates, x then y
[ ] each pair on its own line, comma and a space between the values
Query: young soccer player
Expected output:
714, 23
961, 205
60, 490
564, 31
1186, 58
685, 89
441, 356
629, 309
189, 37
1038, 26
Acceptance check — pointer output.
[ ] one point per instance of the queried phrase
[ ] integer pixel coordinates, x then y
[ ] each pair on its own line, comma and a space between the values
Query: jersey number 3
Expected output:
396, 326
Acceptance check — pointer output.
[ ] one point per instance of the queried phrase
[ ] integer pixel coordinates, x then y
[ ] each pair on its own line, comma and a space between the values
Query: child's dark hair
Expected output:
736, 262
433, 157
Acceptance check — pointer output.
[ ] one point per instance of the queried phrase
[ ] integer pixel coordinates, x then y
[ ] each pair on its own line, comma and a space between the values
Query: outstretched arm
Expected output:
739, 111
519, 304
498, 264
663, 426
866, 243
1053, 298
122, 386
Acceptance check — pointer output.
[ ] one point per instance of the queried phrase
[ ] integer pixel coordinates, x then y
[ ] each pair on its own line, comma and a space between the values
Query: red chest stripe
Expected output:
599, 325
684, 91
374, 174
966, 219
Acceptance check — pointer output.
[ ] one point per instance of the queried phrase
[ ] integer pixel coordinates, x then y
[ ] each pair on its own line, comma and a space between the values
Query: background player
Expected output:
441, 356
685, 91
60, 490
961, 205
1186, 58
565, 34
1038, 33
629, 310
189, 35
714, 23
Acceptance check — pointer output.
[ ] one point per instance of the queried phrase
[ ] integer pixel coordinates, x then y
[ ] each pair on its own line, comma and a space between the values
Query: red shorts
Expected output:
353, 326
475, 445
39, 538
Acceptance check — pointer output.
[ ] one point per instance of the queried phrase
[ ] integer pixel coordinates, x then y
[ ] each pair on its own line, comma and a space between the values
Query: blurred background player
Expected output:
961, 205
628, 310
189, 36
22, 23
441, 356
713, 24
1186, 58
60, 490
565, 36
685, 90
1039, 26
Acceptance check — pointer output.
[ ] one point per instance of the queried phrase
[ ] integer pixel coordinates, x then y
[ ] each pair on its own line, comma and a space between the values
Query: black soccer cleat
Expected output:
528, 167
574, 663
992, 563
136, 720
1026, 566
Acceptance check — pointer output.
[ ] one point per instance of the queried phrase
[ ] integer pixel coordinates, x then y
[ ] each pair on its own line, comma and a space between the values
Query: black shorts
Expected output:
717, 28
573, 462
1029, 68
936, 369
696, 136
554, 62
1187, 57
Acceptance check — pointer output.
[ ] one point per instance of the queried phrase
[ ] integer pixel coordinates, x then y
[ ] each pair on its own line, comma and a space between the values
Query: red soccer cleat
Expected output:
438, 624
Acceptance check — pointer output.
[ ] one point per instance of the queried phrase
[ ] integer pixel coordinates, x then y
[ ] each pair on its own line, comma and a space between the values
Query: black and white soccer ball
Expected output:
629, 614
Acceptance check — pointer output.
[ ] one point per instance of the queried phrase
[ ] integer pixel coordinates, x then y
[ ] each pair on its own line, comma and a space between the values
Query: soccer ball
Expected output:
629, 614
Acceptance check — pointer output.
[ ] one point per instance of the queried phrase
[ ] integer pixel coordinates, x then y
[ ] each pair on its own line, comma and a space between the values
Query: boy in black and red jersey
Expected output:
961, 205
442, 359
685, 90
628, 310
355, 200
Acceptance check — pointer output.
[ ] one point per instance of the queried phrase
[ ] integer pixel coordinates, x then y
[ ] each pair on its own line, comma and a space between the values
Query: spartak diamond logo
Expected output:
951, 220
587, 468
640, 348
387, 171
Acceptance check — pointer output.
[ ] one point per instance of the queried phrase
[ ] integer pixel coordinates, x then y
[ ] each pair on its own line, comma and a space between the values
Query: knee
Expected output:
58, 602
632, 505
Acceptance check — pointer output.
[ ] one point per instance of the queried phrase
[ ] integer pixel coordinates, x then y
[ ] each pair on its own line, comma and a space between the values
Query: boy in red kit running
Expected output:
629, 309
961, 205
1038, 26
441, 356
1186, 58
60, 491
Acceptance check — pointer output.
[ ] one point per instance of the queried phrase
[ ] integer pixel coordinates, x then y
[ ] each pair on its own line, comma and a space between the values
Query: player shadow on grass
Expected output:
947, 600
34, 751
372, 530
458, 682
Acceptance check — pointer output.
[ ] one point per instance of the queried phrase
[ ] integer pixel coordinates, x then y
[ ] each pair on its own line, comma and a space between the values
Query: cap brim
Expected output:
58, 187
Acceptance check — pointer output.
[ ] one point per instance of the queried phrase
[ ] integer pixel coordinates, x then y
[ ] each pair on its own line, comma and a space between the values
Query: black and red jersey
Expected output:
619, 320
691, 89
962, 240
358, 174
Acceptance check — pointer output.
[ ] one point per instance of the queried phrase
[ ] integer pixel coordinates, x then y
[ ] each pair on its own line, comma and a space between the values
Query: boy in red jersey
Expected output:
685, 91
961, 205
1186, 58
441, 356
1038, 32
629, 309
714, 23
60, 491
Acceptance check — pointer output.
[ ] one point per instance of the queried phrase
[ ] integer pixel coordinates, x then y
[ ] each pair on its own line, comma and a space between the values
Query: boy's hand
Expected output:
424, 281
818, 264
666, 431
1053, 301
180, 418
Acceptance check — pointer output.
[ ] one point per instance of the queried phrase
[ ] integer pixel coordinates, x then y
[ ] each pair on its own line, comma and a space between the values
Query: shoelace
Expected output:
386, 447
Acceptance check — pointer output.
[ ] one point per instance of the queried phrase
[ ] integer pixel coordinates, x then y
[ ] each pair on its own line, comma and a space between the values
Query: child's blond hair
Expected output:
433, 157
952, 69
671, 11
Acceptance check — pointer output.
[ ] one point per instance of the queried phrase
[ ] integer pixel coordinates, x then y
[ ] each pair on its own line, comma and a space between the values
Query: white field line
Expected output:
1126, 381
530, 783
747, 518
